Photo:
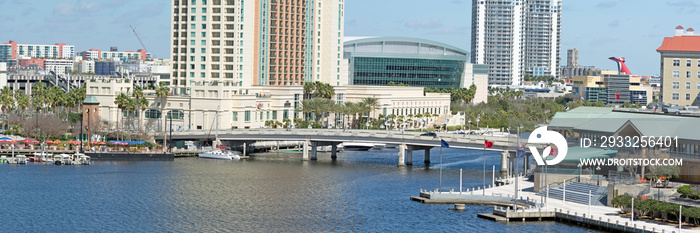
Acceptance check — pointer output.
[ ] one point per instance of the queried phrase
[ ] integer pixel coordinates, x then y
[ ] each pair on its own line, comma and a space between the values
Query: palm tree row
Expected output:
321, 109
461, 95
47, 99
318, 90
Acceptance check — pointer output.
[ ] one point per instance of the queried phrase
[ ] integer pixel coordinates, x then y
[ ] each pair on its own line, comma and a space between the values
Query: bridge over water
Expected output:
406, 141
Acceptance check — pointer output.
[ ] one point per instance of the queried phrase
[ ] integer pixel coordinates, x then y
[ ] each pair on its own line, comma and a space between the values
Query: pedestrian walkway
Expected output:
592, 212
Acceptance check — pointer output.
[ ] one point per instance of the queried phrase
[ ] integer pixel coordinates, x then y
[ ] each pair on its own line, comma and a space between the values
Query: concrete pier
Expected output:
427, 156
402, 152
305, 151
409, 157
504, 161
314, 150
334, 148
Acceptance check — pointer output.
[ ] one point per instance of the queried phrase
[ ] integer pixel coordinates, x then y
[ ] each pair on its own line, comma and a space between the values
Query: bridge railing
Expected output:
360, 133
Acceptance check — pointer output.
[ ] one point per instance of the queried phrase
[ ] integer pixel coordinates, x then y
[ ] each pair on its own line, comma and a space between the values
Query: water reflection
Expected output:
361, 191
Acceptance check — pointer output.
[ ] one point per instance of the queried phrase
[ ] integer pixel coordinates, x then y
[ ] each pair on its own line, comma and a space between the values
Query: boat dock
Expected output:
530, 206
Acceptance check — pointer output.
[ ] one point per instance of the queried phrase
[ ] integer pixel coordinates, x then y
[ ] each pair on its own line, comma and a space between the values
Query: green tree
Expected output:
23, 101
122, 100
7, 99
39, 96
372, 104
162, 92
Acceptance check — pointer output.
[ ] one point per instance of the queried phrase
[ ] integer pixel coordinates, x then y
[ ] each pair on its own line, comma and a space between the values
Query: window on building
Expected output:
194, 2
687, 96
675, 96
676, 74
687, 74
152, 114
676, 85
247, 116
688, 62
235, 116
175, 115
676, 62
687, 85
698, 84
274, 115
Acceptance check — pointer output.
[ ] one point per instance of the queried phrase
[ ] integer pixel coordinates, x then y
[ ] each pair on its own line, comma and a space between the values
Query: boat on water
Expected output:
379, 146
57, 159
357, 146
219, 154
3, 159
66, 159
21, 159
82, 159
41, 157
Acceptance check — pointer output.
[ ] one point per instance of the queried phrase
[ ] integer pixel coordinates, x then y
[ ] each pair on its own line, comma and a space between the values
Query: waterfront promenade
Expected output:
599, 213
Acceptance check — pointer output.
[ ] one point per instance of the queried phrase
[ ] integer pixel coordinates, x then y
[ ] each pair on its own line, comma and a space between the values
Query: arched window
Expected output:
152, 114
175, 115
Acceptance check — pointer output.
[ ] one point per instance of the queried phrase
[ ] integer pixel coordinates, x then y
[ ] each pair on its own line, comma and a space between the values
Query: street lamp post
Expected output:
477, 122
470, 128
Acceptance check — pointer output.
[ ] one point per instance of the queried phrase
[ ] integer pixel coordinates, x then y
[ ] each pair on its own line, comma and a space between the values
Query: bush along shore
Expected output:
657, 210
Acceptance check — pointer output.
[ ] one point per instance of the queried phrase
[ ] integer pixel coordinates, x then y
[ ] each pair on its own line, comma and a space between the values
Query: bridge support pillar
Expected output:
334, 148
402, 151
504, 161
314, 150
427, 156
305, 151
409, 157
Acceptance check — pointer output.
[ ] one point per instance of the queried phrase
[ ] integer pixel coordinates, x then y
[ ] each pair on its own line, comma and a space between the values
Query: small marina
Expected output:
528, 206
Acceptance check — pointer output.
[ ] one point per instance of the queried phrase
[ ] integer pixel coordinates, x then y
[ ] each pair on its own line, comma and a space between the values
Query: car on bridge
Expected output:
432, 134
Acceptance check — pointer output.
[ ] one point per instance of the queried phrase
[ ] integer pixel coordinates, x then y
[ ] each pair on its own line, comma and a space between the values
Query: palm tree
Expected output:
39, 96
372, 104
324, 90
77, 96
141, 103
6, 99
162, 92
122, 100
309, 88
23, 101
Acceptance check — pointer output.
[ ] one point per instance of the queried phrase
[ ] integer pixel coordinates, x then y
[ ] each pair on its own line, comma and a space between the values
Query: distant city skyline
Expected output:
598, 29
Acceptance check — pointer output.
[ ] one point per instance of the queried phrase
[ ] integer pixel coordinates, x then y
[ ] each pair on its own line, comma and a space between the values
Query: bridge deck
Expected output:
339, 135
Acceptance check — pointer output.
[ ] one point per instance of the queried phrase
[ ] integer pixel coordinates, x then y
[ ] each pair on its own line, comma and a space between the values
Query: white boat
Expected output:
219, 154
378, 146
43, 157
67, 159
358, 146
21, 159
82, 159
57, 159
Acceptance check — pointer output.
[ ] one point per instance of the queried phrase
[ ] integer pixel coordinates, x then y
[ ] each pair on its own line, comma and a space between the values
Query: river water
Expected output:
361, 191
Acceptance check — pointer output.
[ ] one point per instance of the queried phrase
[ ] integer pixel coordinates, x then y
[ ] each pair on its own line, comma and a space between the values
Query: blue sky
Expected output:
599, 29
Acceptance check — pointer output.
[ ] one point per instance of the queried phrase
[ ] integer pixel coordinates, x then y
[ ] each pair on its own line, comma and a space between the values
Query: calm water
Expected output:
362, 191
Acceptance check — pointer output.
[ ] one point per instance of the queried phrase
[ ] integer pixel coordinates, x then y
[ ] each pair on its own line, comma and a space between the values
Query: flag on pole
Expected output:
443, 143
488, 144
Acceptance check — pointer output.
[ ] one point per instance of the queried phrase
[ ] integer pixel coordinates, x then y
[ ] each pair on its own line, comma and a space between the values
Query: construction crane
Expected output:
139, 38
